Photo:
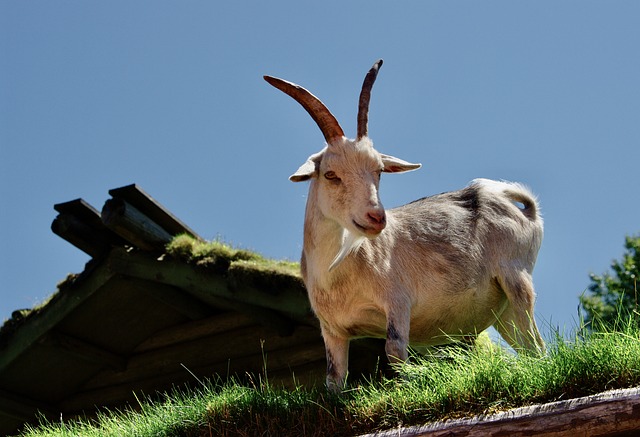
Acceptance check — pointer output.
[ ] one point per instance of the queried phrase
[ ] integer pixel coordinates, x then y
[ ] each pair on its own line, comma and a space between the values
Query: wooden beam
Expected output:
305, 356
143, 202
195, 330
610, 413
81, 209
82, 236
213, 288
233, 350
80, 224
60, 305
127, 221
276, 311
84, 350
180, 301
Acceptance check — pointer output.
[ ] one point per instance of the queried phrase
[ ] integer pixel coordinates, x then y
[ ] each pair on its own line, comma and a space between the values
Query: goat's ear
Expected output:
396, 165
307, 170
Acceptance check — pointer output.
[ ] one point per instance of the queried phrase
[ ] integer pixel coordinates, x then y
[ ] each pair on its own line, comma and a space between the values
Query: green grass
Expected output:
456, 383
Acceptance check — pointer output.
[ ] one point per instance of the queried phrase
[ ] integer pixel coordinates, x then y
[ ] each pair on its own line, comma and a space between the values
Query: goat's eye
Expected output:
331, 175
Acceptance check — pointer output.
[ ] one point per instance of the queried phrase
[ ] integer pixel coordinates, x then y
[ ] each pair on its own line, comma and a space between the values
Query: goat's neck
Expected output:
323, 240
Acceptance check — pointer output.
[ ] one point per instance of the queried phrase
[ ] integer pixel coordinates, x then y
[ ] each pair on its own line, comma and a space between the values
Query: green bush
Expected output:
613, 296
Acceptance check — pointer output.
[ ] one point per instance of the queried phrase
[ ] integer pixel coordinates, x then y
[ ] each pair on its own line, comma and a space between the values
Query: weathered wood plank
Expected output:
79, 234
79, 223
277, 311
304, 361
231, 347
121, 315
195, 330
127, 221
179, 300
212, 287
57, 309
208, 287
84, 350
81, 209
605, 414
151, 208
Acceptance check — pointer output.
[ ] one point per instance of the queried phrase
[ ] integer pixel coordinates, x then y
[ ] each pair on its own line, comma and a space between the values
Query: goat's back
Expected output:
486, 221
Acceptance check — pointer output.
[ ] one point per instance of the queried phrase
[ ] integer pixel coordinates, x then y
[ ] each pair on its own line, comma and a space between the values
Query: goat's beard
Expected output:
351, 242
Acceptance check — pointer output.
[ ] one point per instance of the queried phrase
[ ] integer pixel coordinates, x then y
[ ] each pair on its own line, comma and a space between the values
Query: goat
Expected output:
440, 267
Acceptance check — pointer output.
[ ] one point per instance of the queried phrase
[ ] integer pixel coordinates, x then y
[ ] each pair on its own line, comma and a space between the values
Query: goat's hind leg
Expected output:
516, 324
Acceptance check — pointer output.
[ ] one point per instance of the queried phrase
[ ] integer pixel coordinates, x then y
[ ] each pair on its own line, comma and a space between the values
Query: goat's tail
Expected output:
530, 207
517, 193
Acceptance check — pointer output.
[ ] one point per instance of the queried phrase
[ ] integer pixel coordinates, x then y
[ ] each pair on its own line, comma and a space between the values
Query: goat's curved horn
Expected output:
317, 110
365, 96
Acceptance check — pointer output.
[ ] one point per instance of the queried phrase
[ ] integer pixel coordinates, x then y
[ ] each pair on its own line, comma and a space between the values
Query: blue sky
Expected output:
169, 95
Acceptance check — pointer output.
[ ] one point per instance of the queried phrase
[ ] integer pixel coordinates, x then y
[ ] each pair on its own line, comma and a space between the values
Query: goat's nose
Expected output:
378, 219
376, 216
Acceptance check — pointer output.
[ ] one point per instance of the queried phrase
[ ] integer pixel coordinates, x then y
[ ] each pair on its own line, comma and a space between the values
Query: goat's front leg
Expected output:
337, 350
397, 336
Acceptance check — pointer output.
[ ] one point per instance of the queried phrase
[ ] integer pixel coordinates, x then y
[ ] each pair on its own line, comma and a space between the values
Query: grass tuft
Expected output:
192, 249
224, 256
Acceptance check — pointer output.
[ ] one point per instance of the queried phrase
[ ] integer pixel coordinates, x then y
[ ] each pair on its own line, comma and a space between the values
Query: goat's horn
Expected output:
317, 110
365, 96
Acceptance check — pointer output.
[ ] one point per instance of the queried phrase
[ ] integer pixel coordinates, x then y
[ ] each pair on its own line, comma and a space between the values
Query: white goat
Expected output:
444, 266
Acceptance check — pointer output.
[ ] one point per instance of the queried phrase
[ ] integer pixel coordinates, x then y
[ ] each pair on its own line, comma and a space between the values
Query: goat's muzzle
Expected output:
376, 221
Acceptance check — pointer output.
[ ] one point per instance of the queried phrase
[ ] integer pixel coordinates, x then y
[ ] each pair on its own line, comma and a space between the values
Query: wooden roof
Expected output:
138, 320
